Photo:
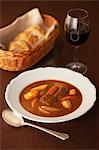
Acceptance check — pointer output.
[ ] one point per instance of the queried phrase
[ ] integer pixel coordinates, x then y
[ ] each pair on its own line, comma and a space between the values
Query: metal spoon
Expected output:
16, 120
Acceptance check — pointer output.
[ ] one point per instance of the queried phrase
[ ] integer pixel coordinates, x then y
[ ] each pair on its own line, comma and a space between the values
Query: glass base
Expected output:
77, 66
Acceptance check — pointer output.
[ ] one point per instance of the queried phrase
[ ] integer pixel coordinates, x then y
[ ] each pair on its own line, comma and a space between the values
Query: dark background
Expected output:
84, 131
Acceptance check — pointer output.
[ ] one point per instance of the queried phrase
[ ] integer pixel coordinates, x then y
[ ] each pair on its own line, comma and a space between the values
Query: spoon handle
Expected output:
60, 135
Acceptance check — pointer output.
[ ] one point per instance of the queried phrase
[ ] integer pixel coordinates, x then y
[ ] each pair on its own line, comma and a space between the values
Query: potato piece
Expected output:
50, 109
67, 104
40, 87
72, 92
31, 94
34, 102
43, 110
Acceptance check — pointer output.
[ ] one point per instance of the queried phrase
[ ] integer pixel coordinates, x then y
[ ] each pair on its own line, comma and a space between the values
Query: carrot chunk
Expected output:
53, 90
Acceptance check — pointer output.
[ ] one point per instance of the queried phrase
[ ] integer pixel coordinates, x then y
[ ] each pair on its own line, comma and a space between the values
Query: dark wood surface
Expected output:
84, 131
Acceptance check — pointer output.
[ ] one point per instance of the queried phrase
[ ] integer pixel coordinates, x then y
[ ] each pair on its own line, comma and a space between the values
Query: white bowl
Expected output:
16, 85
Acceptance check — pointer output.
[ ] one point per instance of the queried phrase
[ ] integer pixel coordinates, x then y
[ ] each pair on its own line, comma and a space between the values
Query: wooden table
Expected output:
84, 131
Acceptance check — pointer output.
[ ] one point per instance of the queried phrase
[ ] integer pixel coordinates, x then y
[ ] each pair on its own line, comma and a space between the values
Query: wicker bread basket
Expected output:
21, 60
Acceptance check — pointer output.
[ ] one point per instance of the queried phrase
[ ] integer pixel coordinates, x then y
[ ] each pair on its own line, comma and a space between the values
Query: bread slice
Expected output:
26, 40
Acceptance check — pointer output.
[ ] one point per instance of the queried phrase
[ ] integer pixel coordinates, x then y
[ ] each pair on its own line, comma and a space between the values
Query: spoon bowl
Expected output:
12, 118
15, 120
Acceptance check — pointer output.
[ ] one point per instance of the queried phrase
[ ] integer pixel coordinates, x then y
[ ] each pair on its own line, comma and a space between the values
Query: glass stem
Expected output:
75, 58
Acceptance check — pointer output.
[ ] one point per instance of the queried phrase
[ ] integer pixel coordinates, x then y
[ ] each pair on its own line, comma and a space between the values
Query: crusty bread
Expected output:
25, 40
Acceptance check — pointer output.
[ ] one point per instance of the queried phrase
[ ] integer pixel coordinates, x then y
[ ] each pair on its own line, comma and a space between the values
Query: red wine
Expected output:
79, 36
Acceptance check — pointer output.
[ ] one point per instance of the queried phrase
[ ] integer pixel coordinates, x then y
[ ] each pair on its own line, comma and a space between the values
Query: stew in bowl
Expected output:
50, 98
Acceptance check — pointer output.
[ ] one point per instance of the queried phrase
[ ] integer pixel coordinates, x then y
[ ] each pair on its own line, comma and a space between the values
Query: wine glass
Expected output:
76, 28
